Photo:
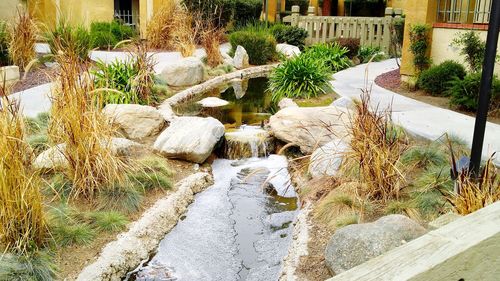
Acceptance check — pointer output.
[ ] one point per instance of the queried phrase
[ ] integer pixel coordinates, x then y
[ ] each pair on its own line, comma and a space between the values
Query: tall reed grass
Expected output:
23, 35
211, 36
161, 26
23, 227
185, 33
77, 121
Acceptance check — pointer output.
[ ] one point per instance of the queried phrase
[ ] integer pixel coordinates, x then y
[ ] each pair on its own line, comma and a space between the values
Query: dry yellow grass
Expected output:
22, 221
23, 36
79, 123
185, 32
211, 36
160, 27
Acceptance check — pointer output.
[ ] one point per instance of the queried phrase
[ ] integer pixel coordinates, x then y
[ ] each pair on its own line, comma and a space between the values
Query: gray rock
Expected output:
444, 220
326, 160
213, 102
287, 50
135, 121
240, 87
286, 102
190, 138
310, 127
54, 158
343, 102
355, 244
240, 59
186, 72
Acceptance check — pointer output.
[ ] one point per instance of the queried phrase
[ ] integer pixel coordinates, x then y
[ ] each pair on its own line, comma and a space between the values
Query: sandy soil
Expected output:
392, 81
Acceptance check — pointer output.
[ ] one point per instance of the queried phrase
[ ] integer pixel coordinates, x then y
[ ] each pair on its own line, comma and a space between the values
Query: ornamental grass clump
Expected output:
375, 154
23, 229
333, 55
210, 37
185, 33
299, 77
76, 39
161, 26
23, 36
80, 125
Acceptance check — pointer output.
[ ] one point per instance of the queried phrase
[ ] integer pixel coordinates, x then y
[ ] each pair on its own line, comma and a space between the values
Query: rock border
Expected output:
141, 240
251, 72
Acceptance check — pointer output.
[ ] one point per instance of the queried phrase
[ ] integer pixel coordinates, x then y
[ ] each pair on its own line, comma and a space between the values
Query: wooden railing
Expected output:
372, 31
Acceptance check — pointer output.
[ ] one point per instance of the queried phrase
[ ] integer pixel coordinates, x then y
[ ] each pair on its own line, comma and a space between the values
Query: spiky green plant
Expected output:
332, 54
38, 266
424, 156
123, 198
299, 77
109, 221
67, 234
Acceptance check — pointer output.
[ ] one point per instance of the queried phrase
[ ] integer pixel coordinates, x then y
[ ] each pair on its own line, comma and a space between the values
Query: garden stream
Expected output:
240, 228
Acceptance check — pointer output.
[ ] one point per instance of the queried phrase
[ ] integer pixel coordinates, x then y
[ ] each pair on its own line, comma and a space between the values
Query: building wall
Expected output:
441, 48
8, 9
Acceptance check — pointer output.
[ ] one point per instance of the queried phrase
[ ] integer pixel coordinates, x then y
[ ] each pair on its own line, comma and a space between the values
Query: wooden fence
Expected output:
372, 31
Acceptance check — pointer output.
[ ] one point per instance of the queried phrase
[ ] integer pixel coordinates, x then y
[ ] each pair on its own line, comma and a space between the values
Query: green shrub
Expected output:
106, 35
4, 44
352, 44
246, 11
66, 38
419, 39
332, 55
436, 79
465, 93
260, 46
472, 47
288, 34
366, 53
300, 77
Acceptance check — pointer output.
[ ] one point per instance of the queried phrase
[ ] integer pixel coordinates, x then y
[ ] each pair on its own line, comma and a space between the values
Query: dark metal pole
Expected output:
485, 88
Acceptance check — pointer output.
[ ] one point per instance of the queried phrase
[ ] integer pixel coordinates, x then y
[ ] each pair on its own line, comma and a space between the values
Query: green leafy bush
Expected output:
66, 38
366, 53
436, 79
333, 55
465, 93
106, 35
472, 47
260, 45
300, 77
4, 44
246, 11
352, 44
288, 34
419, 39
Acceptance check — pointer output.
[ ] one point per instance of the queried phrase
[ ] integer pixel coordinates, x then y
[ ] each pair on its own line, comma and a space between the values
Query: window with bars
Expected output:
463, 11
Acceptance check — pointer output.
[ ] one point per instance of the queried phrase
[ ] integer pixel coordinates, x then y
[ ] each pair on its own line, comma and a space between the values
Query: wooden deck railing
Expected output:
372, 31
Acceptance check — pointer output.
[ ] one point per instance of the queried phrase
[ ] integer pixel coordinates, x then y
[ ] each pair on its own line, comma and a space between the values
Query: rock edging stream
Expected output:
131, 248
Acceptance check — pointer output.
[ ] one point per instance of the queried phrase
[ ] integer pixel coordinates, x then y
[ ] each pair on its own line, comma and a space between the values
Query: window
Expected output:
463, 11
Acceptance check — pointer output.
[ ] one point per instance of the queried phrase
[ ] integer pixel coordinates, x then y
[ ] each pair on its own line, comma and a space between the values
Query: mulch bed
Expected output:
33, 78
390, 80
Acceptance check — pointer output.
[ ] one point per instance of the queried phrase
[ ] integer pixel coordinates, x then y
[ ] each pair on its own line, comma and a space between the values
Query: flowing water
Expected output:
239, 228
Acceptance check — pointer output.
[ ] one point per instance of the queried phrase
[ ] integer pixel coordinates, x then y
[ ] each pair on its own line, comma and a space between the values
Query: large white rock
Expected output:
167, 112
326, 160
213, 102
240, 87
310, 127
135, 121
186, 72
287, 50
344, 102
286, 102
190, 138
54, 158
241, 58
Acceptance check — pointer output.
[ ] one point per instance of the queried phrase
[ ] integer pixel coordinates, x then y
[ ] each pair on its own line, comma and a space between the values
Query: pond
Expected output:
249, 103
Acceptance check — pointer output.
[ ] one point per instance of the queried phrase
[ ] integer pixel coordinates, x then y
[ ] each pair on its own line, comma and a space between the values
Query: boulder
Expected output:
213, 102
135, 121
310, 127
228, 60
286, 102
240, 87
287, 50
54, 159
241, 58
190, 138
343, 102
326, 160
444, 220
355, 244
186, 72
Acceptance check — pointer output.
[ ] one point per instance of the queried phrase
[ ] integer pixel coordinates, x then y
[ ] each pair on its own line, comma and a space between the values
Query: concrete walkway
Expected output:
418, 118
37, 100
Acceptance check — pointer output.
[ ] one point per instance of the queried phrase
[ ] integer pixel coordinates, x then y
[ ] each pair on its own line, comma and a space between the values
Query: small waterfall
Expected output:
247, 142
